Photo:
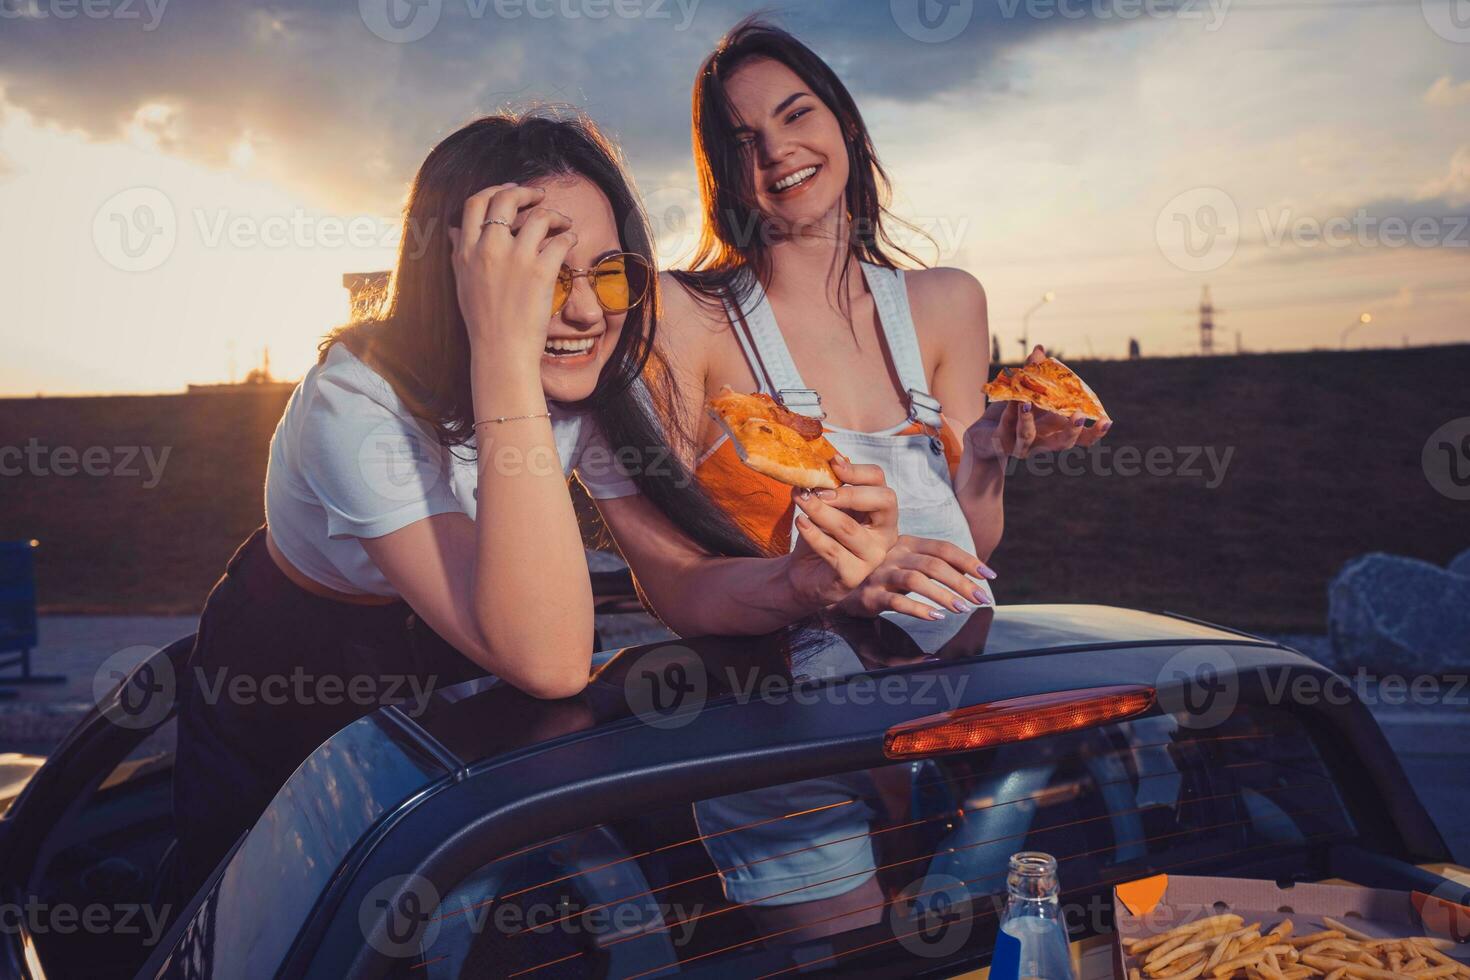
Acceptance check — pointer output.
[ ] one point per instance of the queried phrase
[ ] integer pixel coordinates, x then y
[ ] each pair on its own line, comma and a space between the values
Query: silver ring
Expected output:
494, 221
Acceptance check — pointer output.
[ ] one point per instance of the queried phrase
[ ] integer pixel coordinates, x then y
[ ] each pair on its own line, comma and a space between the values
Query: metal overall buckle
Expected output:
922, 401
802, 401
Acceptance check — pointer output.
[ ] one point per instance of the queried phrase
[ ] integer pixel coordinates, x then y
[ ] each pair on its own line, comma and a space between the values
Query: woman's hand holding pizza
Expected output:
936, 570
1016, 429
845, 534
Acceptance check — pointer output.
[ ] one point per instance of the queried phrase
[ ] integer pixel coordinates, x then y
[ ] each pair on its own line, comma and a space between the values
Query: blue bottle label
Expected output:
1005, 962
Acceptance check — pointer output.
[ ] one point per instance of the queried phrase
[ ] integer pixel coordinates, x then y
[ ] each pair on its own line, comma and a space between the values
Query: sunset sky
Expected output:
183, 182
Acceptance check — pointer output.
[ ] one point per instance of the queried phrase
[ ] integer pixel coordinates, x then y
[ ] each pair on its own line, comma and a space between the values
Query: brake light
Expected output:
1015, 720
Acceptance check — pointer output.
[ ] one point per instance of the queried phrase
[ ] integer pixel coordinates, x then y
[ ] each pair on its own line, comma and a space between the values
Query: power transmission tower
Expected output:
1206, 323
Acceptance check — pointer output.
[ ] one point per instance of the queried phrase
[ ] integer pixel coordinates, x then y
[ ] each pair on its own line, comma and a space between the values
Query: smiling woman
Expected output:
796, 231
891, 362
419, 524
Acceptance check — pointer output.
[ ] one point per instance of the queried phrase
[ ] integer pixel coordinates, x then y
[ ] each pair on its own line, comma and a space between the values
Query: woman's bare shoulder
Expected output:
945, 299
688, 318
684, 301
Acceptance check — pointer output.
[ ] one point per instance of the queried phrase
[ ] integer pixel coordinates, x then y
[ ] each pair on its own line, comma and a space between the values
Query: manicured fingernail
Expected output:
805, 495
827, 494
1026, 406
961, 606
1080, 423
981, 598
984, 571
936, 614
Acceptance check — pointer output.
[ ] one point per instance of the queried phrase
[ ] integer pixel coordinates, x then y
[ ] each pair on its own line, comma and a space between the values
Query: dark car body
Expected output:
481, 832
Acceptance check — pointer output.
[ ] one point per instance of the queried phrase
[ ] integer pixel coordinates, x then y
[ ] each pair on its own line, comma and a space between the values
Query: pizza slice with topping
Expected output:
1049, 385
775, 441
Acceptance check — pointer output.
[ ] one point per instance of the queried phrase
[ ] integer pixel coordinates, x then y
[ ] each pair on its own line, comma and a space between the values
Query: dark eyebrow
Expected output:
608, 254
787, 101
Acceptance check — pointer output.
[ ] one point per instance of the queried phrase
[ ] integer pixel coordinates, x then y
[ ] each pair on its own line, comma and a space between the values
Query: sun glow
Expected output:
133, 270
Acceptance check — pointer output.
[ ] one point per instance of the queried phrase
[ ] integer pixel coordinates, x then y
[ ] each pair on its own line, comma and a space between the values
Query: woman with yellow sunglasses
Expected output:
418, 524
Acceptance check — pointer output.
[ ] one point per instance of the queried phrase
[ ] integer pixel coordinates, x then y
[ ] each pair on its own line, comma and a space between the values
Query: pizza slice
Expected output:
733, 409
1049, 385
776, 441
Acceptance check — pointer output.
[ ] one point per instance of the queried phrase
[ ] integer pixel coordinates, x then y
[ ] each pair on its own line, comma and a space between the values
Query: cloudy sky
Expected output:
183, 182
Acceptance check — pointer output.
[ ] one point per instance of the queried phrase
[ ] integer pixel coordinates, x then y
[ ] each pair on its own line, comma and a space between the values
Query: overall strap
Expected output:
891, 299
766, 352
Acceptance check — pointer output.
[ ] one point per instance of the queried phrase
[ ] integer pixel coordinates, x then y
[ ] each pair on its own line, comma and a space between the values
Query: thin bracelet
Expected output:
512, 418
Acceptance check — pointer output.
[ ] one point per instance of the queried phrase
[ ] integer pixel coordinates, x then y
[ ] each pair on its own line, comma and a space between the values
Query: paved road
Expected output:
1430, 733
1432, 741
1434, 748
78, 647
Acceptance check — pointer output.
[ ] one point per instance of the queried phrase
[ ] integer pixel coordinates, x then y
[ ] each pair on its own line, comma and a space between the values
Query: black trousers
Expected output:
276, 671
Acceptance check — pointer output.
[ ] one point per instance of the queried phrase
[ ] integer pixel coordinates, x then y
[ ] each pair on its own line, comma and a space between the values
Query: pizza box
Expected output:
1153, 905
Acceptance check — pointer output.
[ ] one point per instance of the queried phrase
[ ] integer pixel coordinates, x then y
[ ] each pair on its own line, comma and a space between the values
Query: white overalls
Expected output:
798, 842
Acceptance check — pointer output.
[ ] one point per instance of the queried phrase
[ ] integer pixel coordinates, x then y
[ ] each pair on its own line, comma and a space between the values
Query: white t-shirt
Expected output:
349, 461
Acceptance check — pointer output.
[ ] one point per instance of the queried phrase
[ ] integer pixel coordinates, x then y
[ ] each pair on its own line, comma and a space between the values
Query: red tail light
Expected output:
1015, 720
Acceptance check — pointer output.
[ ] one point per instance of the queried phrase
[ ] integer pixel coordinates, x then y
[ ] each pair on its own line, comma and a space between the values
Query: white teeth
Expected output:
793, 179
569, 346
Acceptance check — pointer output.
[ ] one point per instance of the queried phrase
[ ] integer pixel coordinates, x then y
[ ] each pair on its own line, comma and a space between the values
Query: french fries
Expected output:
1224, 947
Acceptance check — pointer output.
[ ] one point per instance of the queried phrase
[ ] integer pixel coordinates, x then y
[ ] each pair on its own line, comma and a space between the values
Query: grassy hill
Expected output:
1320, 454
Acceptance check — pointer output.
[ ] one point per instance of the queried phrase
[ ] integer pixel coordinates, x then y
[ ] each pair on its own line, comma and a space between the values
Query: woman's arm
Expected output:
696, 594
951, 305
509, 590
995, 433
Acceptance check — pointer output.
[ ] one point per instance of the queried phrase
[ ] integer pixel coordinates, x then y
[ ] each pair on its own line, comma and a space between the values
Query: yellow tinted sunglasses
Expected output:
619, 281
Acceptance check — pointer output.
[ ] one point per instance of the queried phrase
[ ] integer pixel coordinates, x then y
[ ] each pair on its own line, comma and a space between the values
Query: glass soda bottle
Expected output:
1032, 941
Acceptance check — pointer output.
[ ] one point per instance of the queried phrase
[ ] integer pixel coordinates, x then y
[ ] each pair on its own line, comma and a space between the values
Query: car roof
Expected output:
1053, 626
501, 769
603, 756
481, 719
489, 768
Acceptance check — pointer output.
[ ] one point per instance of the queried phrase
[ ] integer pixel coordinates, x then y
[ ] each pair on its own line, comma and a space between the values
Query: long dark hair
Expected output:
412, 332
732, 240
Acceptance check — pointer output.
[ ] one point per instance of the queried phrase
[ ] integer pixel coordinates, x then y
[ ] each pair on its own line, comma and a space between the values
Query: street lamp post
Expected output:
1363, 320
1046, 297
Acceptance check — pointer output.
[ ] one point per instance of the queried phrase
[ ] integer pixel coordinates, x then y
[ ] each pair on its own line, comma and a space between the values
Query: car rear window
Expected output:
896, 868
